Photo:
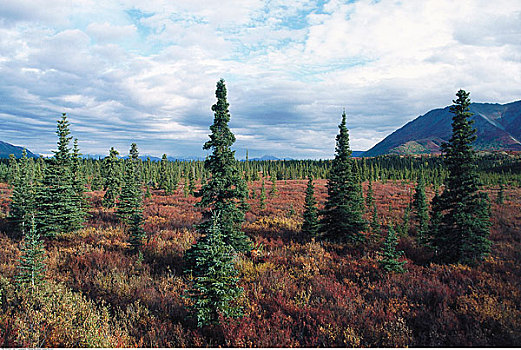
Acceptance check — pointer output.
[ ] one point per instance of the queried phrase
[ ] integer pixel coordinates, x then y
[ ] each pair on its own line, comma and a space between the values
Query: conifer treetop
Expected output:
63, 154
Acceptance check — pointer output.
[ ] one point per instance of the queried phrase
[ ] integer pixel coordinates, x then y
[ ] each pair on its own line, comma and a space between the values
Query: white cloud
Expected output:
146, 71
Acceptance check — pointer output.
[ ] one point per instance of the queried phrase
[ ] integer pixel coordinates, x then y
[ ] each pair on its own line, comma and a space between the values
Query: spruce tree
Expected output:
225, 191
375, 224
163, 174
342, 215
213, 286
112, 179
262, 196
310, 224
421, 209
58, 205
131, 197
191, 182
22, 203
13, 169
31, 267
274, 189
390, 255
464, 230
137, 234
369, 198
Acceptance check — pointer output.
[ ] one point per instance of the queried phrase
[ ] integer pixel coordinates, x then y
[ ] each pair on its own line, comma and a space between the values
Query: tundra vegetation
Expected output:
353, 252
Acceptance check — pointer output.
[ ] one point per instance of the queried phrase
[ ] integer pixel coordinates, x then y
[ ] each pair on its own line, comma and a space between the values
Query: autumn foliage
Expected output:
297, 292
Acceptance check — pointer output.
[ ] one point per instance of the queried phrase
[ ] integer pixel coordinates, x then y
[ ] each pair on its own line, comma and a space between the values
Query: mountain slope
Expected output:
6, 149
498, 128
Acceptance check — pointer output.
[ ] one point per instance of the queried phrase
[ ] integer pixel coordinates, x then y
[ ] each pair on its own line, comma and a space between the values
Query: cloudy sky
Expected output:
145, 71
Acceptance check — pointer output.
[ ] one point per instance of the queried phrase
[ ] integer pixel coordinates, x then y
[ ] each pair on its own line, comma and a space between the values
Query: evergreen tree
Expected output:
191, 182
501, 194
463, 234
13, 169
112, 179
186, 187
225, 191
213, 287
22, 203
163, 174
274, 189
369, 198
390, 256
262, 196
375, 224
421, 209
59, 208
342, 215
310, 224
131, 198
31, 267
136, 232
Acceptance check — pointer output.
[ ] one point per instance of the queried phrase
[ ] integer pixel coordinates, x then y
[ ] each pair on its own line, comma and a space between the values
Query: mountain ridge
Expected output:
498, 128
6, 149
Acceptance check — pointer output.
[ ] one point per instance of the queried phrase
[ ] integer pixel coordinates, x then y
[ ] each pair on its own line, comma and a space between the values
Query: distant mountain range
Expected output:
498, 128
6, 149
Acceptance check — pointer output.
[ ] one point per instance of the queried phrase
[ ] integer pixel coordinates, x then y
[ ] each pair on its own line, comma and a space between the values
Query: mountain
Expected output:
357, 153
6, 149
498, 128
269, 157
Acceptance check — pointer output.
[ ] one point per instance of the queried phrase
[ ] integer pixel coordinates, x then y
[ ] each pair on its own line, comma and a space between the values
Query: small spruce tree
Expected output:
421, 210
112, 179
213, 286
390, 255
131, 198
310, 224
31, 267
262, 196
137, 234
369, 198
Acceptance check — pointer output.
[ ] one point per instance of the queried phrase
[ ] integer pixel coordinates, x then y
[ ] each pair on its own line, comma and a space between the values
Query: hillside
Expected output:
6, 149
498, 128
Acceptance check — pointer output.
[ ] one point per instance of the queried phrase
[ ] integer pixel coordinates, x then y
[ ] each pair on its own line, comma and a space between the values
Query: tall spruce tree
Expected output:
22, 203
111, 172
31, 267
224, 192
214, 289
58, 205
463, 234
310, 224
342, 215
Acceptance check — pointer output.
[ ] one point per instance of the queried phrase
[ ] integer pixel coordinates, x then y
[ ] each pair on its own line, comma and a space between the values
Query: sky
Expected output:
146, 71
